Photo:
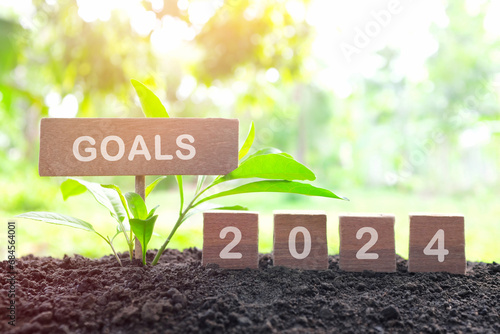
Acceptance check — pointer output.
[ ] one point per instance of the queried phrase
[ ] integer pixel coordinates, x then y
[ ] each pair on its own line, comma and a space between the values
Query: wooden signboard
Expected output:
138, 146
300, 240
367, 243
231, 239
437, 243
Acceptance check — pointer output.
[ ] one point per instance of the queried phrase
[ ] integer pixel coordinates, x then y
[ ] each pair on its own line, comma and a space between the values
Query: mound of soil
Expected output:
80, 295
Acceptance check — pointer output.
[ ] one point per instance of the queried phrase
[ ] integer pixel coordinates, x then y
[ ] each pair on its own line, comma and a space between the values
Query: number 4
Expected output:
441, 252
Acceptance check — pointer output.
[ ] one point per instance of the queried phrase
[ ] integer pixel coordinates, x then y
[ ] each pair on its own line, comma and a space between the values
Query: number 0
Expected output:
362, 253
292, 247
226, 253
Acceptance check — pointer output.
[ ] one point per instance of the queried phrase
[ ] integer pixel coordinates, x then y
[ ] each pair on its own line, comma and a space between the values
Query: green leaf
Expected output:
58, 219
122, 224
153, 184
271, 166
275, 186
199, 183
118, 231
248, 142
232, 207
181, 191
270, 150
136, 205
209, 206
151, 104
71, 188
120, 194
143, 230
107, 197
152, 212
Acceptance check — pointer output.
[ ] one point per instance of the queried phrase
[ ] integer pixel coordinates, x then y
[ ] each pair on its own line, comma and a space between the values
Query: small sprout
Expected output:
143, 230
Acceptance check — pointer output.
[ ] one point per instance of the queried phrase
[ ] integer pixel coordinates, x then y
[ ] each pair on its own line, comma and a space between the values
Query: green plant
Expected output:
278, 171
129, 210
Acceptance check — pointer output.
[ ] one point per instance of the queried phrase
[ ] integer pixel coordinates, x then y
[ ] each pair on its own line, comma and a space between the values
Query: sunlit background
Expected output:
393, 104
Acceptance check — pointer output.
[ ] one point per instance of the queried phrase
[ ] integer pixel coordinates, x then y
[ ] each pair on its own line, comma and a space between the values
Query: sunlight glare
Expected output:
492, 19
157, 5
183, 4
296, 9
186, 88
477, 136
272, 75
68, 108
369, 29
473, 7
201, 11
52, 99
170, 35
143, 22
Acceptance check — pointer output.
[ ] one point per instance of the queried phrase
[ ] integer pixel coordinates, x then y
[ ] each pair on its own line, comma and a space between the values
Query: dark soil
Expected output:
80, 295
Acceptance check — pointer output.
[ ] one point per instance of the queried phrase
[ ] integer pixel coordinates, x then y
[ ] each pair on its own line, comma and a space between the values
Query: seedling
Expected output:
128, 210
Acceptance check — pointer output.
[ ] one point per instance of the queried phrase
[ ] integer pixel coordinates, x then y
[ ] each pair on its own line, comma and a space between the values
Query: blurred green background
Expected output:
393, 104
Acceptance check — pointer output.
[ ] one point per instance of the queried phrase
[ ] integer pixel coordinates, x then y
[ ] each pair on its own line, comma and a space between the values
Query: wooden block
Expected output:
437, 243
138, 146
300, 240
231, 239
367, 243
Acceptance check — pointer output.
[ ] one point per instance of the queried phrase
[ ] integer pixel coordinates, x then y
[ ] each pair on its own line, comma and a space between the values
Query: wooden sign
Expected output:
138, 146
300, 240
437, 243
231, 239
367, 243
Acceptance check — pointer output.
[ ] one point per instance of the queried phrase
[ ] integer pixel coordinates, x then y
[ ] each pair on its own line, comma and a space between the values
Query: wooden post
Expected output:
140, 188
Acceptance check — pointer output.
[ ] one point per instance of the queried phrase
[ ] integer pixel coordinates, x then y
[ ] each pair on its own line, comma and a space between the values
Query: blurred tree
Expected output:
58, 64
252, 60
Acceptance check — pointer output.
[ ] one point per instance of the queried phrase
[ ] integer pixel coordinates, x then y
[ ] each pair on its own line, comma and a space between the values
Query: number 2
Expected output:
226, 253
362, 253
441, 252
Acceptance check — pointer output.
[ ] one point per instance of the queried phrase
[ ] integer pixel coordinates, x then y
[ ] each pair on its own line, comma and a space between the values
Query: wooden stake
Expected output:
140, 188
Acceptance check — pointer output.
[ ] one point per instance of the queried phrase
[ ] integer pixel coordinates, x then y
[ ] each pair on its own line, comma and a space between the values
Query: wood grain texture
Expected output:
315, 223
423, 227
215, 144
350, 245
214, 242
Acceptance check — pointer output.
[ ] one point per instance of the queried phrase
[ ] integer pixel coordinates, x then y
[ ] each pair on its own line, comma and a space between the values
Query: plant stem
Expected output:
174, 229
127, 239
130, 247
116, 255
162, 248
181, 219
111, 245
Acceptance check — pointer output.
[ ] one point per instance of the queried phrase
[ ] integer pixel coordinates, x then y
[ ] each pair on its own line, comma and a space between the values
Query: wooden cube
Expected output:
300, 240
437, 243
230, 239
367, 243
